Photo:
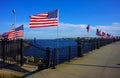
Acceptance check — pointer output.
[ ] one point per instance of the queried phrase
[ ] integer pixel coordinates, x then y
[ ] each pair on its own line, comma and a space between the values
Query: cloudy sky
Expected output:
74, 16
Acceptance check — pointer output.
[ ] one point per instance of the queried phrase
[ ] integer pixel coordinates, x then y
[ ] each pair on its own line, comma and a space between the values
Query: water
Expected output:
43, 44
55, 43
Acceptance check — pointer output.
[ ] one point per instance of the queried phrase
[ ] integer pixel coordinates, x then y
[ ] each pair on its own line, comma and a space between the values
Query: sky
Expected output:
74, 16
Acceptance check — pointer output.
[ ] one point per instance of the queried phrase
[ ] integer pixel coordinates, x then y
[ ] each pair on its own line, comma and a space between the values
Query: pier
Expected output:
99, 63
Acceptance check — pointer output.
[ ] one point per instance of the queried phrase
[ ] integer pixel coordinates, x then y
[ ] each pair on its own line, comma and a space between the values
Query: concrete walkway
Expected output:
100, 63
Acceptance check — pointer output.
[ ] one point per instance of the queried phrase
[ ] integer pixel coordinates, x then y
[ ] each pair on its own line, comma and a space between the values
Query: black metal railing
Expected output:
64, 54
46, 57
11, 52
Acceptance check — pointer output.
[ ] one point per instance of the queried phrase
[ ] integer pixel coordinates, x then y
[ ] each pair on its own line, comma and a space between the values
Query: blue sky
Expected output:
74, 16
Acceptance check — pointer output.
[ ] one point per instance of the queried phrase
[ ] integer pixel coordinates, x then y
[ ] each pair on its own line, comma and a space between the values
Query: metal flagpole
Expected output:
58, 39
88, 35
14, 12
88, 29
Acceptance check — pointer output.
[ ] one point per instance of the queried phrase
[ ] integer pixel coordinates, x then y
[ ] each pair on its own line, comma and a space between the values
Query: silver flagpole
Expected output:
58, 39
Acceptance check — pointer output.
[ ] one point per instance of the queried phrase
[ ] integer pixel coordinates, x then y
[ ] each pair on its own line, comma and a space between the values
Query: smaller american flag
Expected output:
14, 33
5, 35
109, 36
19, 31
104, 35
98, 32
88, 28
11, 34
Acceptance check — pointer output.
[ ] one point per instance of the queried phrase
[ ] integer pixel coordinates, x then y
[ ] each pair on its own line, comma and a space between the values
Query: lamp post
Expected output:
14, 12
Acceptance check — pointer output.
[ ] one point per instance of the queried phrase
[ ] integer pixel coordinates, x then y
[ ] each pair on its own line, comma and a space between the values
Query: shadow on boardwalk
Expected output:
30, 73
16, 68
92, 65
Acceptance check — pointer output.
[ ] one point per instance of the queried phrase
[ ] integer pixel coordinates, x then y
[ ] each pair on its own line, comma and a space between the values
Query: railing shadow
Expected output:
92, 65
30, 73
15, 68
19, 69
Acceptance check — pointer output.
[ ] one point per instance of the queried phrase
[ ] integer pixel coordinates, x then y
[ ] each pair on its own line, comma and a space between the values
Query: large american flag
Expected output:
46, 19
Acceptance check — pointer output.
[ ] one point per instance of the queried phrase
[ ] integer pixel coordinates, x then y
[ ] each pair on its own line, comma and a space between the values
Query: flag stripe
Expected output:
41, 23
39, 26
55, 24
11, 34
19, 33
40, 20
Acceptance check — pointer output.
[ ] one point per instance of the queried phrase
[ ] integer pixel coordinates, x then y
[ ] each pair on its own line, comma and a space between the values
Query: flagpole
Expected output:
88, 29
58, 38
88, 34
14, 12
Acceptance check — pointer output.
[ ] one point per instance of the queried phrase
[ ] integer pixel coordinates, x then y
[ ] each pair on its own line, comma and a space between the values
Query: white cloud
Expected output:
72, 25
69, 30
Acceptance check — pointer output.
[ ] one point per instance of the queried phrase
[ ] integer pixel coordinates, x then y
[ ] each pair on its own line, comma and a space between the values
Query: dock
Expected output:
99, 63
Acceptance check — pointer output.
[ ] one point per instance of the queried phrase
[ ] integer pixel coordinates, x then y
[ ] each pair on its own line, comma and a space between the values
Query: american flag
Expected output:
19, 31
9, 35
98, 32
5, 35
13, 33
104, 35
46, 19
109, 36
88, 28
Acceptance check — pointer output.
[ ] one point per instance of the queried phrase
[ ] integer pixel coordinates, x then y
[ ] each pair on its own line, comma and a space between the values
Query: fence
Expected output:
11, 52
83, 47
54, 56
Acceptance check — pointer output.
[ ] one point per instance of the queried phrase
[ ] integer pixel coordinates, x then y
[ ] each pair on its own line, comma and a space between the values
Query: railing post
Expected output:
21, 52
69, 54
47, 57
98, 43
95, 43
79, 47
3, 49
91, 48
54, 59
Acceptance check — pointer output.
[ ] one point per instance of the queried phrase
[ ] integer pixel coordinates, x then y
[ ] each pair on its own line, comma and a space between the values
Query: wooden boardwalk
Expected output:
100, 63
